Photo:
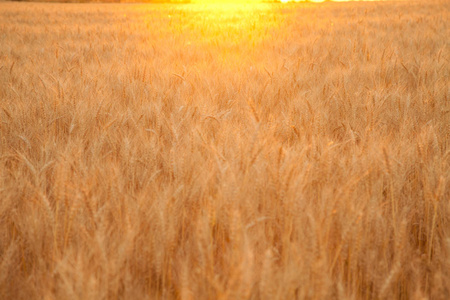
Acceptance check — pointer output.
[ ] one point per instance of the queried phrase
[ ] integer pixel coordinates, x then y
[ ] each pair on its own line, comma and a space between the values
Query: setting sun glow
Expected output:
258, 1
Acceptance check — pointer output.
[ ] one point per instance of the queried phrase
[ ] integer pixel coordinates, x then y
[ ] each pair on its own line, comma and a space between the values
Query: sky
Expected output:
255, 1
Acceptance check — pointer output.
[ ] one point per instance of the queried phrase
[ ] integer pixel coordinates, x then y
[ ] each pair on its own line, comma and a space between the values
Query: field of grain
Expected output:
225, 152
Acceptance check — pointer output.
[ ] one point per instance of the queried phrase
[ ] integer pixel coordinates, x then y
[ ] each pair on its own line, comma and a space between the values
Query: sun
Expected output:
227, 1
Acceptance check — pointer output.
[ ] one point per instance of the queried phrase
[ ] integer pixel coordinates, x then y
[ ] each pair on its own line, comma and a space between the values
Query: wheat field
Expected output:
258, 151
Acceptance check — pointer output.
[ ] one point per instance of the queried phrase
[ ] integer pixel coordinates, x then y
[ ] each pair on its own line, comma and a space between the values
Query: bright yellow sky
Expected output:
227, 1
251, 1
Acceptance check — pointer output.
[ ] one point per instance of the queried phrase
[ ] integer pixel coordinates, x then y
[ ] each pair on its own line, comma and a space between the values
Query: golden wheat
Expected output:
225, 152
